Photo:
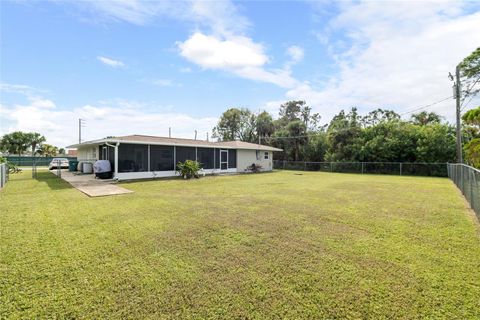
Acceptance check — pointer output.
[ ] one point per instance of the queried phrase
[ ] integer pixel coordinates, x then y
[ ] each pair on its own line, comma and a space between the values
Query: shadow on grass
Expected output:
52, 181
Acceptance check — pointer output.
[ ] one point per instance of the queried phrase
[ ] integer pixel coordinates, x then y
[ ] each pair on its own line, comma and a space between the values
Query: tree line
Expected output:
32, 143
380, 135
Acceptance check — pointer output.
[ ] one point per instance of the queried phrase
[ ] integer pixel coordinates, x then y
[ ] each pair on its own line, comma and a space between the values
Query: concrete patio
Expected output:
92, 187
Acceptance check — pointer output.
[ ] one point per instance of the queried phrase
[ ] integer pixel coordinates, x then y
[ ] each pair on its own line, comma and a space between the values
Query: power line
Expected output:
470, 87
426, 106
466, 104
347, 129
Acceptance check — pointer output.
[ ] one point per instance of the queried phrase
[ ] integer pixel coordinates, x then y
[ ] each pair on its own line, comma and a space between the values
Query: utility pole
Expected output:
459, 128
81, 123
195, 134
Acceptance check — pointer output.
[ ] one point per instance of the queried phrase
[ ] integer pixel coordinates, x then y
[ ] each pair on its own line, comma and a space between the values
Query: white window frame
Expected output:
223, 162
266, 155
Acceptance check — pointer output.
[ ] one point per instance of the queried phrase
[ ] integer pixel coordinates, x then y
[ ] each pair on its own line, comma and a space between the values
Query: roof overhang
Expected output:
164, 143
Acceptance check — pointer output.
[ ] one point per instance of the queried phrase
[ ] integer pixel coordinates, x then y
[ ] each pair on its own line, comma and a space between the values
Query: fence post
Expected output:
331, 167
400, 168
283, 164
304, 165
362, 167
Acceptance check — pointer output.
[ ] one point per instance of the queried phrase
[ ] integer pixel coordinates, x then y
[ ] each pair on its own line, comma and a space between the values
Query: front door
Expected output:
223, 159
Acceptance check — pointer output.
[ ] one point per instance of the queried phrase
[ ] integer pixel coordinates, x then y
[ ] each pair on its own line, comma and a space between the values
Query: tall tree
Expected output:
424, 118
48, 150
379, 115
344, 137
470, 72
15, 143
471, 119
229, 125
265, 127
436, 143
298, 110
390, 141
236, 124
297, 132
35, 139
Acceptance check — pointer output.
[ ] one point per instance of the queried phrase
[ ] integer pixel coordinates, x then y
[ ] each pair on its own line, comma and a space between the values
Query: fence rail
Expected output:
467, 180
3, 175
395, 168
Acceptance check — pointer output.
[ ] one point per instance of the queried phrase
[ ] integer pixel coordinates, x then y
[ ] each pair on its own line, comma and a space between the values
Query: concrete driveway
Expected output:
92, 187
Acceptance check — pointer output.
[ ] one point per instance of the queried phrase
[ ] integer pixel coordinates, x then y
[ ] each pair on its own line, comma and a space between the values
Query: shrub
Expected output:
472, 152
188, 169
12, 167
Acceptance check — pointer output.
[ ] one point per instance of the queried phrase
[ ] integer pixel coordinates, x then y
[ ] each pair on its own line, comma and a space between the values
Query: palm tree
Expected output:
35, 139
48, 150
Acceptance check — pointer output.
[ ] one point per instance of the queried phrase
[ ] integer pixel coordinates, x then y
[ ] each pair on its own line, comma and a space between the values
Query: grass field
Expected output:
279, 245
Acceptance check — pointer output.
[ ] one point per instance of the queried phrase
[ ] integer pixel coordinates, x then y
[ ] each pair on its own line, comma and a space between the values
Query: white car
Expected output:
56, 162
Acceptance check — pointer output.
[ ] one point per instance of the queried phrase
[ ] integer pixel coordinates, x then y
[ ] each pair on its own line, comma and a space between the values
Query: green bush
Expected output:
12, 167
188, 169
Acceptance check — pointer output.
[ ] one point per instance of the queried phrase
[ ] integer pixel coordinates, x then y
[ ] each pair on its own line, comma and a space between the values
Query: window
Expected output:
185, 153
217, 158
132, 158
161, 158
205, 157
232, 158
266, 156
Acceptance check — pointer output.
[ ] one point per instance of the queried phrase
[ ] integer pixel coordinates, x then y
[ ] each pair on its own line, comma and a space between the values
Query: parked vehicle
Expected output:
62, 162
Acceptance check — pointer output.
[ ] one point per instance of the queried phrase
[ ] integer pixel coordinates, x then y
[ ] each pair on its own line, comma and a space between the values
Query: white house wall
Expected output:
87, 153
165, 174
246, 158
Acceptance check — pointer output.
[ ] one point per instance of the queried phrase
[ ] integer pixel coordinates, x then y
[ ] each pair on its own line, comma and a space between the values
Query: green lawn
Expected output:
279, 245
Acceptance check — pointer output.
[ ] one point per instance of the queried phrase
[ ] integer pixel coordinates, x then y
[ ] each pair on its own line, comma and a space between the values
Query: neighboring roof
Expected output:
136, 138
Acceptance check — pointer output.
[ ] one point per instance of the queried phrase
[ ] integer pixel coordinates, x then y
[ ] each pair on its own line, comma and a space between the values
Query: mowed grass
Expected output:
278, 245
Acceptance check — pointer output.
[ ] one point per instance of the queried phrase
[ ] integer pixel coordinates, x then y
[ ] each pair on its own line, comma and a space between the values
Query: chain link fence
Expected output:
467, 180
393, 168
29, 161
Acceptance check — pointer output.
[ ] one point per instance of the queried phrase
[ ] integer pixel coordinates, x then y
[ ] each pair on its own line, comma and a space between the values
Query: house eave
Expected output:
217, 145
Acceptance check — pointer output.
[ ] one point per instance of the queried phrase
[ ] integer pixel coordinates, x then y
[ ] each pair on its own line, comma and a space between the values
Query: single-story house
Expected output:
141, 156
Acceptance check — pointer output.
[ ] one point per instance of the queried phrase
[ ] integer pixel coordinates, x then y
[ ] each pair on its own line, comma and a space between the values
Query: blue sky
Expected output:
143, 66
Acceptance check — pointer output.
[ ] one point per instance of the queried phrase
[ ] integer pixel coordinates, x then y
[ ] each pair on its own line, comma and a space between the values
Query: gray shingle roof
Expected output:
136, 138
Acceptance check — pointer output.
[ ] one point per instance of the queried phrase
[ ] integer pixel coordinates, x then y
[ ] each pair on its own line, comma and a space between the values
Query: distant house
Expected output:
72, 153
141, 156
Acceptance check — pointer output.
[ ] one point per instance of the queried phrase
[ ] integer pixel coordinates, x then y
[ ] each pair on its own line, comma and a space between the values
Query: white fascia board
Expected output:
219, 146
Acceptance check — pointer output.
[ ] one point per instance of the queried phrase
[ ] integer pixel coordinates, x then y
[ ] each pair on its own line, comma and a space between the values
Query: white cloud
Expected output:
296, 53
215, 53
111, 62
221, 17
224, 48
235, 54
116, 117
399, 56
